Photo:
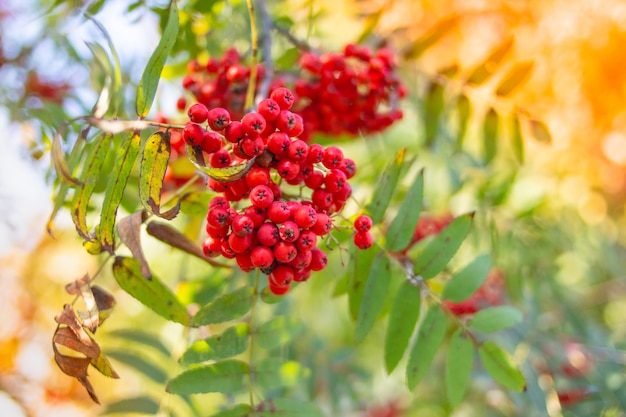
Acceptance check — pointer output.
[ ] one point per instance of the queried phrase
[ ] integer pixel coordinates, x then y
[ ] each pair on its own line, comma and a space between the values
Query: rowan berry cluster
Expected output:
271, 216
351, 92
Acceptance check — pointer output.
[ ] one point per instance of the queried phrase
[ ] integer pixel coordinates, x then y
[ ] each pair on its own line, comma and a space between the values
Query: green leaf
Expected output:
358, 271
231, 342
464, 109
240, 410
517, 141
498, 363
490, 135
458, 366
195, 203
151, 293
274, 373
227, 174
278, 331
438, 252
402, 227
403, 317
226, 377
434, 105
488, 67
156, 154
152, 73
385, 187
141, 338
225, 308
429, 337
465, 282
515, 78
138, 362
125, 157
283, 407
90, 174
431, 37
60, 162
139, 405
540, 132
494, 319
102, 364
373, 296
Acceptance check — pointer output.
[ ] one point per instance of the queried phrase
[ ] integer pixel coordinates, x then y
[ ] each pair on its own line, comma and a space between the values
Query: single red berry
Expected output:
290, 123
257, 176
244, 262
211, 142
363, 240
257, 214
348, 166
211, 247
218, 233
242, 225
284, 97
288, 169
198, 113
314, 180
277, 289
227, 251
333, 157
323, 225
252, 146
343, 194
334, 180
219, 201
239, 244
316, 153
181, 103
234, 132
306, 241
253, 124
262, 256
278, 212
269, 109
289, 231
363, 223
301, 275
278, 143
218, 118
193, 134
322, 199
220, 159
319, 260
218, 217
268, 234
302, 260
261, 196
305, 216
284, 252
298, 150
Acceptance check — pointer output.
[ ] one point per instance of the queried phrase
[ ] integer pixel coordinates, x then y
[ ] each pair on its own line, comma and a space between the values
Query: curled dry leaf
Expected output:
68, 318
174, 238
129, 230
81, 287
104, 301
77, 368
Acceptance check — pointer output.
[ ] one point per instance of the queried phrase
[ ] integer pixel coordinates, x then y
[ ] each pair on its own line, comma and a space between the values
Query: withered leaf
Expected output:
77, 368
174, 238
90, 316
129, 230
68, 318
66, 337
104, 301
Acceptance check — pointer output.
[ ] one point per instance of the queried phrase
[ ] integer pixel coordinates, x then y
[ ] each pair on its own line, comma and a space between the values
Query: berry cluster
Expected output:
351, 92
271, 216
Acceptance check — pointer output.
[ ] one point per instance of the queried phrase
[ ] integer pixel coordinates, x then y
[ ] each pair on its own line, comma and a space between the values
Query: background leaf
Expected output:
463, 108
490, 135
540, 131
140, 405
515, 78
429, 338
152, 73
273, 373
226, 377
231, 342
374, 296
225, 308
278, 331
434, 105
405, 311
385, 188
517, 141
498, 363
285, 407
402, 227
496, 318
240, 410
139, 362
358, 272
438, 252
488, 67
432, 36
129, 231
465, 282
458, 366
151, 293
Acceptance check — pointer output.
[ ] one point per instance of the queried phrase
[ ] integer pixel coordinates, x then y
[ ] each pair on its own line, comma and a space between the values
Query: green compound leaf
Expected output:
358, 271
225, 308
373, 296
90, 174
403, 317
278, 331
458, 366
139, 405
231, 342
463, 108
429, 338
515, 78
152, 73
488, 67
442, 248
156, 154
140, 364
434, 106
274, 373
490, 135
465, 282
226, 377
283, 407
517, 140
498, 363
385, 188
494, 319
403, 225
125, 157
151, 293
240, 410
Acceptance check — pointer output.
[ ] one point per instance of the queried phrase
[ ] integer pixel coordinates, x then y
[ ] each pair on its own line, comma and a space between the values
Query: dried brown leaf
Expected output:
174, 238
104, 301
64, 336
129, 230
71, 365
68, 317
90, 316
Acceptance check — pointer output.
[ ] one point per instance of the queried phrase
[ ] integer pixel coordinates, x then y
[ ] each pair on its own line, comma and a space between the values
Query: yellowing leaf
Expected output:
156, 154
228, 174
485, 69
515, 78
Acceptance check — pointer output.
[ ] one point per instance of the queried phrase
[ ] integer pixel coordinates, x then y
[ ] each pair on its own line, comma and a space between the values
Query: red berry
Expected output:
363, 240
253, 124
219, 201
363, 223
193, 134
348, 166
284, 252
277, 289
242, 225
333, 157
218, 217
257, 176
278, 212
211, 142
306, 241
244, 261
314, 180
261, 196
218, 118
284, 97
211, 247
322, 199
218, 233
220, 159
239, 244
288, 169
257, 214
305, 216
252, 146
301, 275
262, 256
334, 180
268, 234
302, 260
319, 260
290, 123
234, 132
198, 113
181, 103
289, 231
269, 109
323, 225
298, 150
316, 153
278, 143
